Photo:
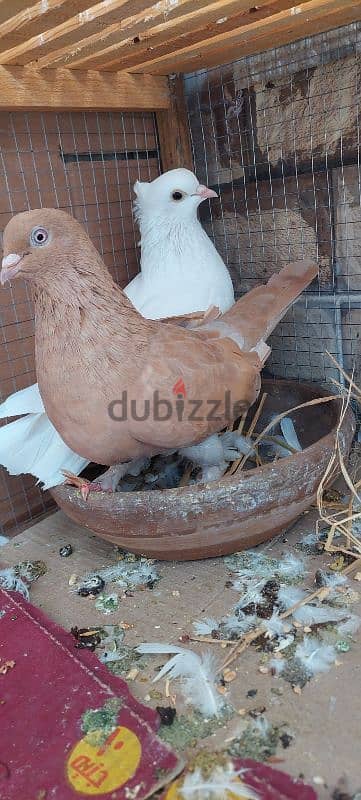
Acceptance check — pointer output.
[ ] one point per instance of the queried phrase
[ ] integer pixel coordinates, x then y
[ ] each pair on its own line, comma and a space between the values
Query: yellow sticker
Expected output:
101, 769
173, 794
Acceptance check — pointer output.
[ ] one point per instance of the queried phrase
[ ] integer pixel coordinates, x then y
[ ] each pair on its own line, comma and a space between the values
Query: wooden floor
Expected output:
324, 719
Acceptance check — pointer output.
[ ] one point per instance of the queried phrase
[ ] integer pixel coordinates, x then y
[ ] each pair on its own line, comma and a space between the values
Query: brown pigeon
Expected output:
120, 388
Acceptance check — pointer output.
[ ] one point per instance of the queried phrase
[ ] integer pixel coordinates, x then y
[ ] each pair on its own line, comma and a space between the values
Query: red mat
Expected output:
46, 686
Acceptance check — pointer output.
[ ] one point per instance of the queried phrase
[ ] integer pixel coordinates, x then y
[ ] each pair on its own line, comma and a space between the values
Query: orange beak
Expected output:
205, 193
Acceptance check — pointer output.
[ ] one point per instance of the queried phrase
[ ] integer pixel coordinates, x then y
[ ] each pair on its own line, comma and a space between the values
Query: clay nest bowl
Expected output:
234, 513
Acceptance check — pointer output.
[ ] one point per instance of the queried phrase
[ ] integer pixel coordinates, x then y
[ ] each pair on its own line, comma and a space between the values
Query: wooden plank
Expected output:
312, 17
65, 22
129, 30
126, 17
65, 89
190, 29
10, 7
134, 37
173, 130
31, 19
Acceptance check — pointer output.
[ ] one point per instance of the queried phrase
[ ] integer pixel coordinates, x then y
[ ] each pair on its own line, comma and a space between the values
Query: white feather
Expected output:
206, 626
223, 782
290, 567
253, 593
239, 623
197, 674
350, 625
290, 595
127, 574
26, 401
312, 615
277, 665
274, 626
310, 538
333, 579
33, 443
289, 433
315, 656
9, 580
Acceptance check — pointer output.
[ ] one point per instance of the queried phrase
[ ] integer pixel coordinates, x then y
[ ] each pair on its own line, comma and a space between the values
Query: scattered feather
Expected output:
253, 594
332, 579
315, 656
222, 782
310, 538
127, 574
290, 595
274, 626
289, 433
284, 642
206, 626
238, 624
350, 626
13, 582
277, 665
250, 564
197, 673
313, 615
290, 568
4, 540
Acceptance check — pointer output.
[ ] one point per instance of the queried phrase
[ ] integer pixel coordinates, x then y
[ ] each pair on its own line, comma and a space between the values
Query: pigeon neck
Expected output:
165, 239
90, 290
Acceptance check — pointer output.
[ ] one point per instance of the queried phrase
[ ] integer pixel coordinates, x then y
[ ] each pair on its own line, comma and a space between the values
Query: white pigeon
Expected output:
181, 272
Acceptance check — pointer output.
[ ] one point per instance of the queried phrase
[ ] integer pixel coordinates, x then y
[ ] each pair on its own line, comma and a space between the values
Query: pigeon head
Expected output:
41, 243
174, 195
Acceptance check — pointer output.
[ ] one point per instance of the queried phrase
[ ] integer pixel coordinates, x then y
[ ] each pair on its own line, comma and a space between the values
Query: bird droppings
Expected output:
65, 551
167, 714
186, 731
258, 740
91, 587
130, 572
122, 659
86, 638
107, 603
99, 723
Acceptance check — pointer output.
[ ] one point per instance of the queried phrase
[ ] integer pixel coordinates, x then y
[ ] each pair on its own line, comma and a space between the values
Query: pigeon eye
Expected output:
177, 195
39, 236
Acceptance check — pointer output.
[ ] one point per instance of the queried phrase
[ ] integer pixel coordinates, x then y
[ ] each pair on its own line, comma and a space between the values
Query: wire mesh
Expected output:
278, 136
86, 164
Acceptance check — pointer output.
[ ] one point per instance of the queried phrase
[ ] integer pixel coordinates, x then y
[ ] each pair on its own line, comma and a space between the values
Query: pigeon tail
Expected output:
31, 445
253, 318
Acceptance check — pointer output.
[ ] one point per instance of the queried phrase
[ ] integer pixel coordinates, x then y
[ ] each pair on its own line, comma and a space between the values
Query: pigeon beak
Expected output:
205, 193
9, 267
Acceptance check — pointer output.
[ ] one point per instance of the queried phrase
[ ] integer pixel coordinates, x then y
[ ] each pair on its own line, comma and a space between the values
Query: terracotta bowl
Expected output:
233, 513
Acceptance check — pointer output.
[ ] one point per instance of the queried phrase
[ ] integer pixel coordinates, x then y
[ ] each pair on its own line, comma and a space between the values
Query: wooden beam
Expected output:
144, 31
10, 7
65, 22
31, 19
65, 89
173, 130
191, 28
310, 18
126, 17
130, 29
